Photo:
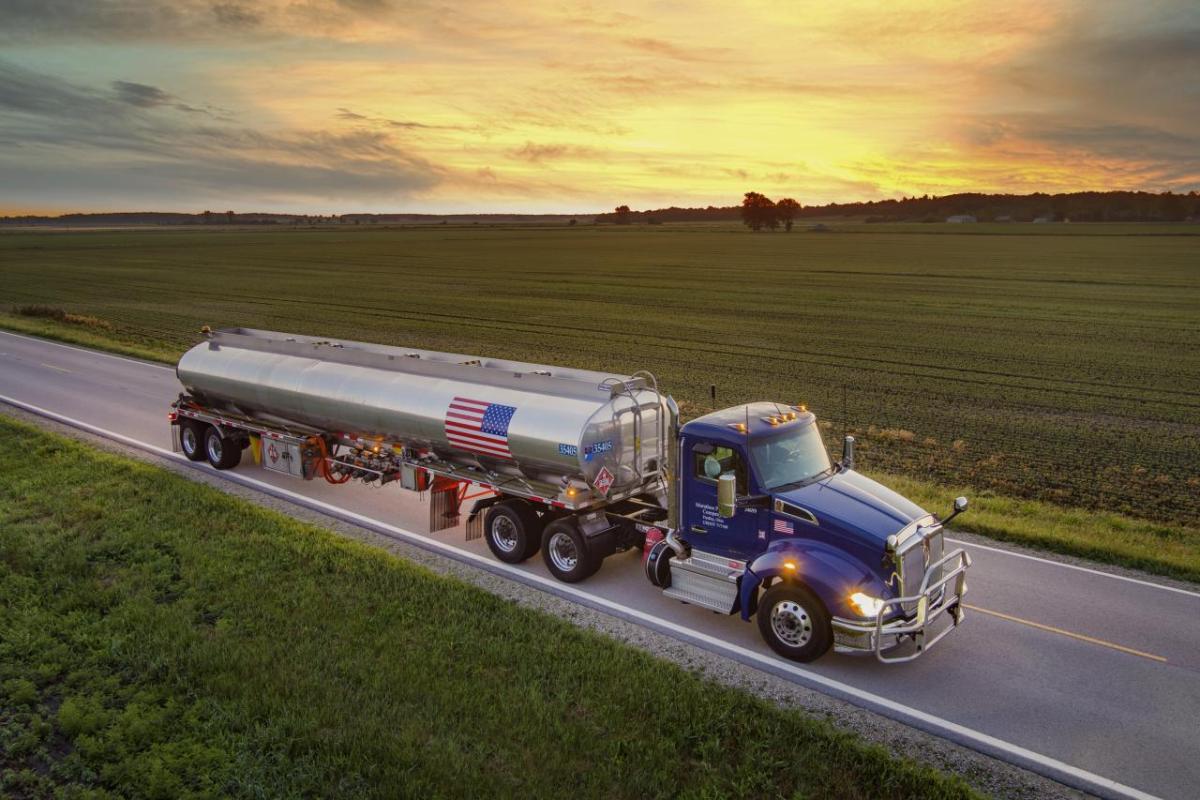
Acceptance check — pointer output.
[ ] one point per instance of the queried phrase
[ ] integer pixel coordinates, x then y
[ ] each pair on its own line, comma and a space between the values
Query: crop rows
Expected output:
1057, 367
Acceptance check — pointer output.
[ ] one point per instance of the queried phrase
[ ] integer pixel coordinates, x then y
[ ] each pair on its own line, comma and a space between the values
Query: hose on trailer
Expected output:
323, 459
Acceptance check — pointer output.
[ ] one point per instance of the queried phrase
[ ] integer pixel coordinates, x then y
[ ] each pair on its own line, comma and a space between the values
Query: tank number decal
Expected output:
568, 450
598, 447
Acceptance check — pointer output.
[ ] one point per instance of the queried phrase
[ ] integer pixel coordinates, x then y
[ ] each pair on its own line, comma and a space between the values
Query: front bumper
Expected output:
937, 596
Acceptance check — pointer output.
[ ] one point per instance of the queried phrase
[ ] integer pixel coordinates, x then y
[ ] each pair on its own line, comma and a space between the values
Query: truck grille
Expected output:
922, 552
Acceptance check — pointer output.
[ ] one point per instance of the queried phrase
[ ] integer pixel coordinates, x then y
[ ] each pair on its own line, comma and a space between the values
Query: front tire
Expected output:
222, 453
191, 440
794, 622
566, 553
513, 531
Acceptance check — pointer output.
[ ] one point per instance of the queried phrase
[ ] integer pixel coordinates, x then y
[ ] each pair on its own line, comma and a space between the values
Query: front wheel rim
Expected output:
563, 553
504, 534
791, 623
214, 448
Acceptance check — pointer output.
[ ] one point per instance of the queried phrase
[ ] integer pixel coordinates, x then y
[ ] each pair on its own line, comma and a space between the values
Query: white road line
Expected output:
88, 350
1052, 767
1088, 570
1014, 554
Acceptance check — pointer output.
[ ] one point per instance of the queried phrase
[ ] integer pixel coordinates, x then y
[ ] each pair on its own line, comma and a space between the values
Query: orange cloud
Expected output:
372, 104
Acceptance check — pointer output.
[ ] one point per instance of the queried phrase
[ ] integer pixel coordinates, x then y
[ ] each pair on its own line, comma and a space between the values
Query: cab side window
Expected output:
710, 462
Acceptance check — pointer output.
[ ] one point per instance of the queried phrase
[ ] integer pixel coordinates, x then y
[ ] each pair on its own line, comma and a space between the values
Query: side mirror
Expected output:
960, 505
727, 495
848, 452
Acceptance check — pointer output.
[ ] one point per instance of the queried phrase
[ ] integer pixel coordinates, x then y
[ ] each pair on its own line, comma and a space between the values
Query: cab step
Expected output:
706, 580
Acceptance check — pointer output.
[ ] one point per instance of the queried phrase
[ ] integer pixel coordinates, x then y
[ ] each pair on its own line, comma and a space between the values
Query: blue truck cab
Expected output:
768, 526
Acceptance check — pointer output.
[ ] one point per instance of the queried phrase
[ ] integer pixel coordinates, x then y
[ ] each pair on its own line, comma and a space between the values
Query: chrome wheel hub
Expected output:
504, 534
791, 623
563, 553
189, 439
214, 448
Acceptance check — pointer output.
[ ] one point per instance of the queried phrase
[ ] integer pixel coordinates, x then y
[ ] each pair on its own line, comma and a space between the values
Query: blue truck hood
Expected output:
857, 505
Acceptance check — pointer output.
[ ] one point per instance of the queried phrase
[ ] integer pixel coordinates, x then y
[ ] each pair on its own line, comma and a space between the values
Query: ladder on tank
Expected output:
627, 388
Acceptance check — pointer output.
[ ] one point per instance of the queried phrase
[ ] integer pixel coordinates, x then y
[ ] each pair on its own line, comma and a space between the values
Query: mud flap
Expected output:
479, 509
474, 527
444, 502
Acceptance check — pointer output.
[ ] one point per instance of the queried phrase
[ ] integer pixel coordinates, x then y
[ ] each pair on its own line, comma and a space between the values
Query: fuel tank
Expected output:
546, 423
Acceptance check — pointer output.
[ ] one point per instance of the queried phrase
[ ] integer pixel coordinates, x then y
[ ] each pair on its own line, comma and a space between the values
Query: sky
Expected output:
555, 106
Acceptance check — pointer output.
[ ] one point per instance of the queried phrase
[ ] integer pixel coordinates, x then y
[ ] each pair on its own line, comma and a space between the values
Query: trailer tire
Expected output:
565, 551
222, 453
191, 439
513, 531
794, 622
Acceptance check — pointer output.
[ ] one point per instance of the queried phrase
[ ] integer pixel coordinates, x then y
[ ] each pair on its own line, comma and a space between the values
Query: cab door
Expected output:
704, 528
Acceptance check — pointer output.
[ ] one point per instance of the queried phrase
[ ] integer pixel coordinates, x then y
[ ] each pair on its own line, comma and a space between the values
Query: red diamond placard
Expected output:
604, 480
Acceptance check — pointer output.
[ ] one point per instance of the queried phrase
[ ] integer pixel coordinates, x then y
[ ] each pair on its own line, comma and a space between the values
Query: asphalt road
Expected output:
1087, 677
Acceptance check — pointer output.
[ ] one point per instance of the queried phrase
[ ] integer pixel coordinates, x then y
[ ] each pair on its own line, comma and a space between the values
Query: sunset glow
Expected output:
370, 105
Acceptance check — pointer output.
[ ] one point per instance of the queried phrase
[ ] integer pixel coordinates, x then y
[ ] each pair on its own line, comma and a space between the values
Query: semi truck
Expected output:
740, 511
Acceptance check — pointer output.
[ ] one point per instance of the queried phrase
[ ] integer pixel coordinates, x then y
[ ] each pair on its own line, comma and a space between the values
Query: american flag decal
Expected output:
479, 427
783, 526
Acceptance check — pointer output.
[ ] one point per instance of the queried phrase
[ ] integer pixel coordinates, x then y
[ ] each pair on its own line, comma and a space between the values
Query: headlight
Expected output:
866, 605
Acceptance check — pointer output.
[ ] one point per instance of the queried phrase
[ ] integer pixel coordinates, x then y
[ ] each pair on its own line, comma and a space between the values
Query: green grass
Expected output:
1170, 550
162, 639
49, 329
1053, 362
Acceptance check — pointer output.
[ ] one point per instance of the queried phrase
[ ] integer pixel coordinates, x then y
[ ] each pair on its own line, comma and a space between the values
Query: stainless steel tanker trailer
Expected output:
740, 511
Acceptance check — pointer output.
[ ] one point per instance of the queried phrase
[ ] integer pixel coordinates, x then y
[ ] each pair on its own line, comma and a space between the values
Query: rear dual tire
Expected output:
565, 551
222, 453
191, 439
513, 531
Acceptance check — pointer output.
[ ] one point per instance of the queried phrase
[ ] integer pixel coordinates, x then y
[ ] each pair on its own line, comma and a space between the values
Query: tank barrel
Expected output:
533, 422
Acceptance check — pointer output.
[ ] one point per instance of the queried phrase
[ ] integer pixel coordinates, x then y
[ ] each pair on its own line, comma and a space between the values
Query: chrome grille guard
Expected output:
935, 597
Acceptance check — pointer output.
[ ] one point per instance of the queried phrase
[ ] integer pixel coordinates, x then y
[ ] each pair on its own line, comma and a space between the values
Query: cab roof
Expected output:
721, 424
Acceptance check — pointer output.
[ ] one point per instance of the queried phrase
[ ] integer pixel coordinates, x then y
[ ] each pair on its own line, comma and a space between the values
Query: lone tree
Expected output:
786, 210
759, 212
623, 215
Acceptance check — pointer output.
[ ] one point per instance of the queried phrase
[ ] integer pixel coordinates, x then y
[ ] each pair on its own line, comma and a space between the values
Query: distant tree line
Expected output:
1076, 206
756, 210
126, 218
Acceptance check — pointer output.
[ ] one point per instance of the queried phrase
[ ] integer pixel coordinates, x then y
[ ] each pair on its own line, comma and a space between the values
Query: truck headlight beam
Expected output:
866, 605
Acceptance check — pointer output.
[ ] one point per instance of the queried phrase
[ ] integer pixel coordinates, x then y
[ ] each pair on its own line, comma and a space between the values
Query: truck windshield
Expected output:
795, 456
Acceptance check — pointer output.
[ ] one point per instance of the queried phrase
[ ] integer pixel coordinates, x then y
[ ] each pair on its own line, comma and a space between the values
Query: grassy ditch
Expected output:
162, 639
96, 337
1170, 550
